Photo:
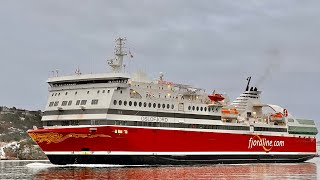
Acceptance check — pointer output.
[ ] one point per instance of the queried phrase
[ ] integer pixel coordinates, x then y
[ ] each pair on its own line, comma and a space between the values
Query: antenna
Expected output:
117, 62
78, 72
248, 79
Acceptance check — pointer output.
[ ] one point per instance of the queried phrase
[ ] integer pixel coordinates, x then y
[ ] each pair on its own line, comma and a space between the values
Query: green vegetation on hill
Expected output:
13, 126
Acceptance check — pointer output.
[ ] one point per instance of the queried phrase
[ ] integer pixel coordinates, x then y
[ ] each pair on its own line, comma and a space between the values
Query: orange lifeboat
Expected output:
230, 111
216, 97
276, 116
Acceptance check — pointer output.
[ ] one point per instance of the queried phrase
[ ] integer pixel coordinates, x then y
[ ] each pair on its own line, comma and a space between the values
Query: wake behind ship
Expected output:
113, 118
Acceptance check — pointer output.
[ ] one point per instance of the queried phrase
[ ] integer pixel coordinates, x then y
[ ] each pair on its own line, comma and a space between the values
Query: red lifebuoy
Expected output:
285, 112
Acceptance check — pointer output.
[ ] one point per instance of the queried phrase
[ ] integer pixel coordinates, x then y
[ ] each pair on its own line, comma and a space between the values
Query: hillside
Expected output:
15, 143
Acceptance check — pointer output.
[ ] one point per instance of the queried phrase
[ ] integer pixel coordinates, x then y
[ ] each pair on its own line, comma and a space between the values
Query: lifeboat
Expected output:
276, 117
216, 97
229, 113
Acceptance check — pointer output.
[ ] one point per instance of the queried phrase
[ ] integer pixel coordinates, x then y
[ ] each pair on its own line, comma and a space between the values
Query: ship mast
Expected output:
117, 62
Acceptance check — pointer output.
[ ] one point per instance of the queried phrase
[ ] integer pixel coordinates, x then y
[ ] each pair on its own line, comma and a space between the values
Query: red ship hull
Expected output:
138, 145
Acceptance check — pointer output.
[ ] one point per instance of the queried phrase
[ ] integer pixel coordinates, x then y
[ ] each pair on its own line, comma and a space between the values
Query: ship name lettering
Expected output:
154, 119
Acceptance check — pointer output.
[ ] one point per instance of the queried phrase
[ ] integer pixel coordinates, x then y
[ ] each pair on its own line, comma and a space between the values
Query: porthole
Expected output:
201, 108
144, 104
205, 108
108, 91
59, 94
149, 105
103, 91
193, 108
125, 103
120, 92
168, 106
88, 92
197, 108
159, 105
154, 105
163, 106
135, 103
172, 106
76, 93
209, 109
115, 102
130, 103
140, 104
189, 108
66, 93
120, 102
98, 91
52, 94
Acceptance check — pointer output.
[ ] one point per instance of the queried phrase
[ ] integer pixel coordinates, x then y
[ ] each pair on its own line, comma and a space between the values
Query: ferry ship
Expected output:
113, 118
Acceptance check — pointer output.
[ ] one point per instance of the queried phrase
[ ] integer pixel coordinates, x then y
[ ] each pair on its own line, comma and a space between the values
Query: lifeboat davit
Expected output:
216, 97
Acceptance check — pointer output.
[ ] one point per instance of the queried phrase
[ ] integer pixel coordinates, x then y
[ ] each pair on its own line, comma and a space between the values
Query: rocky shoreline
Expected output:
15, 143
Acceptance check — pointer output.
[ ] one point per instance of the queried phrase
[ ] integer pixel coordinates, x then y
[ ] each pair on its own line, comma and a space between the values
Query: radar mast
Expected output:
117, 62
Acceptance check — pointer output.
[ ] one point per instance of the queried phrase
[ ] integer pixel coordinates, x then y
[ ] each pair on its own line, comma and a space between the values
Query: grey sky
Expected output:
210, 44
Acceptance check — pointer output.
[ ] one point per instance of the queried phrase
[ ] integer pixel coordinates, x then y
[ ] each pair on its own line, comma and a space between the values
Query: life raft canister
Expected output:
285, 112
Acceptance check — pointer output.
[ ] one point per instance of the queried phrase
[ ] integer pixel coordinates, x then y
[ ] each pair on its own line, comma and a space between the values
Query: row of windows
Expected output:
250, 97
154, 105
213, 109
69, 103
66, 93
270, 129
142, 123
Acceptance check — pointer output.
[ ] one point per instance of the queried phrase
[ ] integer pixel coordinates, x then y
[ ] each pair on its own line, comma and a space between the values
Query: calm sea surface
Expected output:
45, 170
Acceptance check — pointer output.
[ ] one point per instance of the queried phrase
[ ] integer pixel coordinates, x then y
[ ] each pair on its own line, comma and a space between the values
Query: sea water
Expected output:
46, 170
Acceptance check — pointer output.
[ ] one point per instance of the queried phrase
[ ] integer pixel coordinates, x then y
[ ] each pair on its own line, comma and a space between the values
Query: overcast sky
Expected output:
210, 44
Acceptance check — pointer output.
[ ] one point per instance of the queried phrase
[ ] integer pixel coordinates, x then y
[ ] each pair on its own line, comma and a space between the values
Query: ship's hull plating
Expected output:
156, 146
172, 160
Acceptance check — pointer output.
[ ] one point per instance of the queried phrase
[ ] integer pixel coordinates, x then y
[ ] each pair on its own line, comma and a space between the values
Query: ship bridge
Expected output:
69, 82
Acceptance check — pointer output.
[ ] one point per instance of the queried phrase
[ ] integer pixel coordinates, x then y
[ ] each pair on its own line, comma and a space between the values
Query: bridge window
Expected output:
51, 104
83, 102
64, 103
95, 102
